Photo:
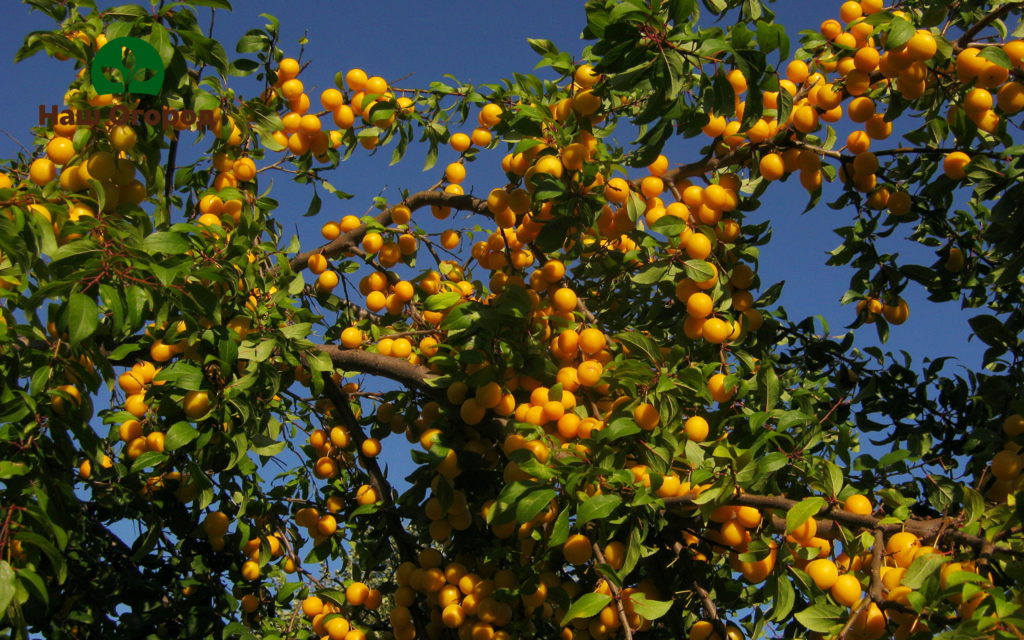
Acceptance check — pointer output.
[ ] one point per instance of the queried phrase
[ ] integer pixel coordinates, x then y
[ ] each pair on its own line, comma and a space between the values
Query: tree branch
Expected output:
404, 540
922, 528
877, 550
172, 154
996, 14
415, 201
412, 375
617, 594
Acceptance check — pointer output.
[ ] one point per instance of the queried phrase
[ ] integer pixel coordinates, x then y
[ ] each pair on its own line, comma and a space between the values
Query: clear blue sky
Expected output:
484, 42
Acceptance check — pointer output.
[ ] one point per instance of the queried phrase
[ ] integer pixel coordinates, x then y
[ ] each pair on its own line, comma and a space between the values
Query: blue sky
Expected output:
482, 42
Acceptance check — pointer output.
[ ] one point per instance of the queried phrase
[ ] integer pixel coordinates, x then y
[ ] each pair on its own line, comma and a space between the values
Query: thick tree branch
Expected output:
347, 241
411, 375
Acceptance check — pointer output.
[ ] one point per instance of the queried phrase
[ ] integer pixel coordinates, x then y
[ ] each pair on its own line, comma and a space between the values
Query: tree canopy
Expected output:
615, 428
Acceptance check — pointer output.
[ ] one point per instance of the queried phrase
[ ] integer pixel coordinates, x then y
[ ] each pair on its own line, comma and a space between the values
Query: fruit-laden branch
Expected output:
703, 166
875, 587
411, 375
349, 240
404, 540
617, 594
922, 528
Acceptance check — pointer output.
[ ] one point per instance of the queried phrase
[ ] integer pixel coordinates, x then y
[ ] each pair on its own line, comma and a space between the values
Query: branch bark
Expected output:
877, 550
411, 375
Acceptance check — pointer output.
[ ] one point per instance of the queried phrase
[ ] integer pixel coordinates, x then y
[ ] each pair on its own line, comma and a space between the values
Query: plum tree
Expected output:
615, 429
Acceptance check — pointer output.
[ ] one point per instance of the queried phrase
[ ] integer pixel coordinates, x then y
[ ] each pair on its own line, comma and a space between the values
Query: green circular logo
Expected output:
145, 76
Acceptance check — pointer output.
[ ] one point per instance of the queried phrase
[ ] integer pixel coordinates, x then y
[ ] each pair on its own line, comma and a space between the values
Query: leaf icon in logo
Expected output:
147, 62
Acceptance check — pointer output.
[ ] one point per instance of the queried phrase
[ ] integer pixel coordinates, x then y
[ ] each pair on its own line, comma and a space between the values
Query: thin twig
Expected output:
617, 595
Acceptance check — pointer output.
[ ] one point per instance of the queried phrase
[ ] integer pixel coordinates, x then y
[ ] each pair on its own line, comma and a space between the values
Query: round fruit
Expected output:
954, 165
901, 547
696, 428
1007, 465
351, 337
564, 299
699, 305
858, 504
250, 570
577, 549
1013, 425
646, 415
42, 171
60, 150
824, 572
846, 590
460, 142
716, 387
356, 594
196, 404
716, 330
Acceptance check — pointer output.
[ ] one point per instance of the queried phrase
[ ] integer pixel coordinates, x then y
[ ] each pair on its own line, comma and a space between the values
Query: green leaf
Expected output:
541, 46
698, 270
587, 606
801, 511
651, 274
7, 586
170, 242
922, 567
649, 609
161, 41
148, 459
619, 428
768, 382
533, 502
641, 343
821, 617
314, 205
9, 470
681, 10
265, 446
126, 11
215, 4
785, 598
81, 317
596, 508
635, 206
442, 301
337, 596
560, 530
252, 43
900, 32
669, 226
996, 55
51, 552
180, 434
